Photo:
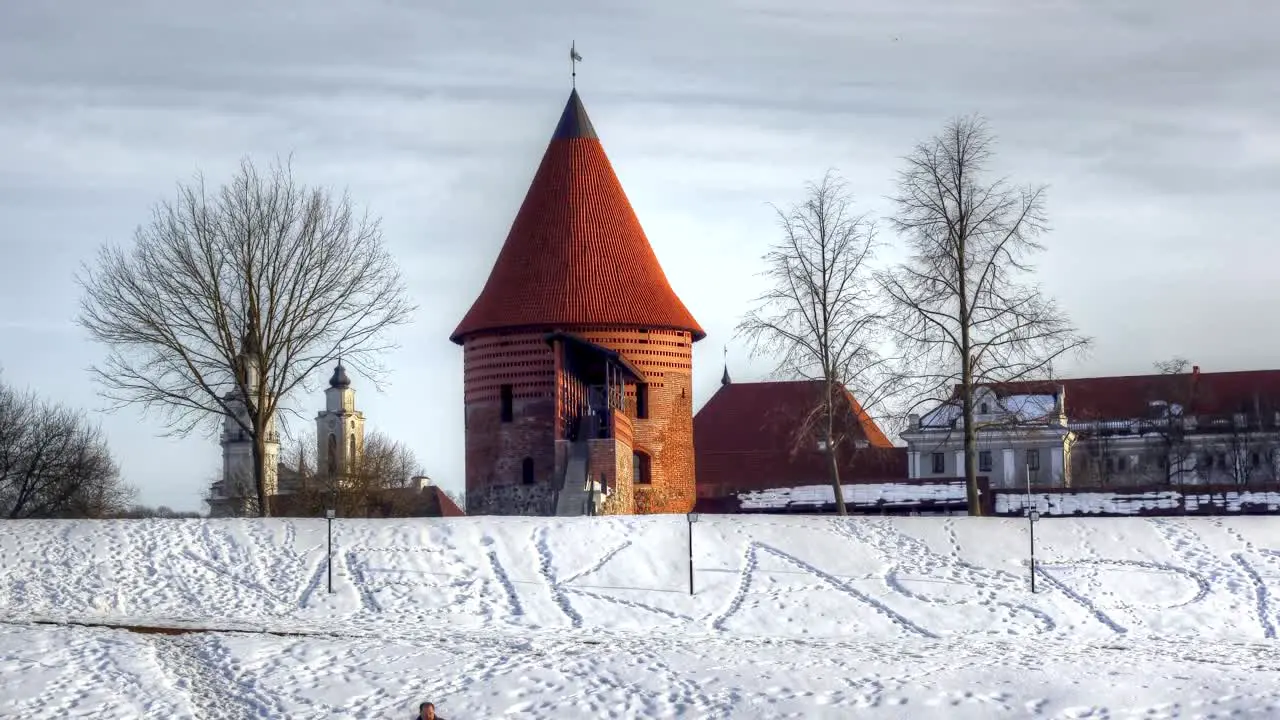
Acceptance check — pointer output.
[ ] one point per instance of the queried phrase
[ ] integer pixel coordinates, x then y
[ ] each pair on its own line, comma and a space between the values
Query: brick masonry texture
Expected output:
495, 451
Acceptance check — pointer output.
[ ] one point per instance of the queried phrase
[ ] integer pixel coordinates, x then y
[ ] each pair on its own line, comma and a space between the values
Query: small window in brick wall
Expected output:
526, 471
641, 470
642, 400
507, 404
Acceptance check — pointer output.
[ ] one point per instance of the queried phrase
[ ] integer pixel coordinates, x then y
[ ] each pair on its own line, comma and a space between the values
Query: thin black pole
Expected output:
1031, 523
690, 520
1032, 519
329, 519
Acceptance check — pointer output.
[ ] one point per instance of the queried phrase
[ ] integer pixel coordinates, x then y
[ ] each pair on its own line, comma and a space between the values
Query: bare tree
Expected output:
249, 289
378, 480
820, 317
162, 512
1247, 443
963, 311
386, 464
1170, 403
1093, 452
53, 463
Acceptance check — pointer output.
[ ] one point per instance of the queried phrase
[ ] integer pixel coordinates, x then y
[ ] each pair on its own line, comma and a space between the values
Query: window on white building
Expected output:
939, 463
984, 461
1033, 459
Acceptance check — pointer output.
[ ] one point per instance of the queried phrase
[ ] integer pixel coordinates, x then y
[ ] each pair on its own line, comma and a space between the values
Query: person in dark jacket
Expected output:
427, 711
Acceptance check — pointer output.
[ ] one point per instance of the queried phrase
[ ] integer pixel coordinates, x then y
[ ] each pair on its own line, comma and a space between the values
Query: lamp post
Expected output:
692, 518
1032, 518
328, 514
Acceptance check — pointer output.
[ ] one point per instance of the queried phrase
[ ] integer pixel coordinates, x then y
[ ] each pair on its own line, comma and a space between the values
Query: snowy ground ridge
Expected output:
792, 617
799, 577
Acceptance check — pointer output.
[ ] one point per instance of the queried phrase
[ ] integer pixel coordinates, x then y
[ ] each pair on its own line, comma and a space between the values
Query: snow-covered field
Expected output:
590, 617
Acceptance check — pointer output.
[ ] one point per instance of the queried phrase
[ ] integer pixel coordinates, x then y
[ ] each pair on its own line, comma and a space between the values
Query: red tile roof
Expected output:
1126, 397
444, 504
745, 438
576, 254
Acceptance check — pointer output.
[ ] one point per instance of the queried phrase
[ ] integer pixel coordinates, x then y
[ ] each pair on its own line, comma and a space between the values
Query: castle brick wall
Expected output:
665, 357
495, 450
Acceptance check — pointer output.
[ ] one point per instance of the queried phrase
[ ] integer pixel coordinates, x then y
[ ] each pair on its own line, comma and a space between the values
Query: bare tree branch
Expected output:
262, 267
821, 320
53, 463
962, 309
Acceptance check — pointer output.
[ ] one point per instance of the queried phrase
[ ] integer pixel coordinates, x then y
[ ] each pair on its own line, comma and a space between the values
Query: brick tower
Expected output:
578, 355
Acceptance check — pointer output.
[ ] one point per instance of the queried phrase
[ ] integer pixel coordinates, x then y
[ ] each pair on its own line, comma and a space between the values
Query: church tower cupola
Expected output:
339, 378
339, 430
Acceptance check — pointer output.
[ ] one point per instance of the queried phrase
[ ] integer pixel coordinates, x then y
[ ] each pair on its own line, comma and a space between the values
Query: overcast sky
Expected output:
1156, 125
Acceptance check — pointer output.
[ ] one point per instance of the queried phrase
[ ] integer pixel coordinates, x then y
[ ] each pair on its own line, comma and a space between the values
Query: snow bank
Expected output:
861, 494
1137, 503
775, 576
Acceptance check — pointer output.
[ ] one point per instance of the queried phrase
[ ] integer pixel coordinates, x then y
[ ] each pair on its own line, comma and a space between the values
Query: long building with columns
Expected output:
577, 354
1173, 429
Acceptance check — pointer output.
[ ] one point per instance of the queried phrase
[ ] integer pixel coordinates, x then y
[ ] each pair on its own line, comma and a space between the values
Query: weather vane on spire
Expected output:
574, 59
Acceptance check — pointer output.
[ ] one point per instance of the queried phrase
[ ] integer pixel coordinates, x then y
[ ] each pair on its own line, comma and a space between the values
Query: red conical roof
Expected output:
576, 254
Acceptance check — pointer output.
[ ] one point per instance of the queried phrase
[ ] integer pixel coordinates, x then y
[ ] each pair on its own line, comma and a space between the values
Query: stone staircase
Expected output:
578, 495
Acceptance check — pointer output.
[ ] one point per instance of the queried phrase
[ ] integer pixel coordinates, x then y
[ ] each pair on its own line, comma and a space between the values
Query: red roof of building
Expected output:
576, 254
745, 438
1126, 397
444, 504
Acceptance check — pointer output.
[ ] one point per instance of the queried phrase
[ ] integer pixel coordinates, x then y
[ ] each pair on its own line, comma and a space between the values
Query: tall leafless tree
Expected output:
262, 265
820, 317
964, 311
53, 463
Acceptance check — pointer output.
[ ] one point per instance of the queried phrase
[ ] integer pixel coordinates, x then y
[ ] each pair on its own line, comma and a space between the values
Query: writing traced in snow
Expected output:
1179, 575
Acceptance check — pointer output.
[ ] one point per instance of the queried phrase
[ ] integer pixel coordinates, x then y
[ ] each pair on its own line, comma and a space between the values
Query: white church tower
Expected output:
235, 493
339, 429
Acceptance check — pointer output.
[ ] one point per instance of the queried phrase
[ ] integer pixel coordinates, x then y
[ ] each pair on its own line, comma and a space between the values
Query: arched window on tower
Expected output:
641, 468
526, 471
331, 466
351, 454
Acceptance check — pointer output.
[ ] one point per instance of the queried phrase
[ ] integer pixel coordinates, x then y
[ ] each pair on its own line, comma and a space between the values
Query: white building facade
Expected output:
1133, 431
